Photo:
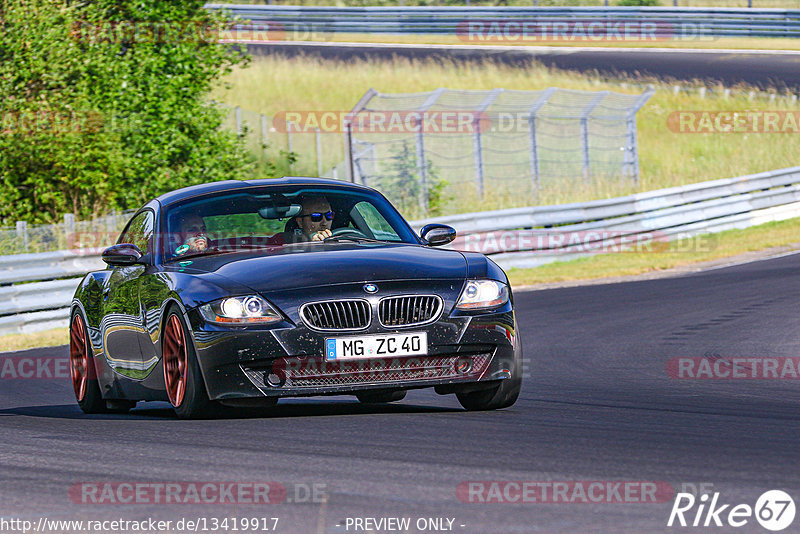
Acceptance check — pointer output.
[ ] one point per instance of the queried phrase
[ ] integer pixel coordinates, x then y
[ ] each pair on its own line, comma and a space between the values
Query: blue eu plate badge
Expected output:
330, 348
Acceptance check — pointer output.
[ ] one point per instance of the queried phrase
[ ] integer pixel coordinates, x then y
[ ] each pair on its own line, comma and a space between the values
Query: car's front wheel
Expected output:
182, 378
501, 396
504, 394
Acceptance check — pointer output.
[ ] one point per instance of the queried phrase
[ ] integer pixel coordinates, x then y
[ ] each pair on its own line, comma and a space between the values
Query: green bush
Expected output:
98, 113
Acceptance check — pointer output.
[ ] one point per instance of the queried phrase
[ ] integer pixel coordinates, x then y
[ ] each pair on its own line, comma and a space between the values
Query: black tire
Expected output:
380, 397
82, 370
500, 396
504, 394
193, 402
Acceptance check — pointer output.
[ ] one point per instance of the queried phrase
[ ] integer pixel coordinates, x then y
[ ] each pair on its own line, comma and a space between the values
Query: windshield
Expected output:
272, 218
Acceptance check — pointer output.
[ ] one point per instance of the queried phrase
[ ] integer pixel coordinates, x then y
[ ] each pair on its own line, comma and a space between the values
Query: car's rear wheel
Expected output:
83, 373
377, 397
182, 378
81, 367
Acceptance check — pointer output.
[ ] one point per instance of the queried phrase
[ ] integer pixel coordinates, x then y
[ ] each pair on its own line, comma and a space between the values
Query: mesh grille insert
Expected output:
311, 373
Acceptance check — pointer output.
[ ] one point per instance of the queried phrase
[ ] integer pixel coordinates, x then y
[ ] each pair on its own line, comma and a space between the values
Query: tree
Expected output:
103, 104
403, 184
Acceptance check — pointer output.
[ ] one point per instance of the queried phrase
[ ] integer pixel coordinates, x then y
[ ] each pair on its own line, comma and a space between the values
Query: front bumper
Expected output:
288, 360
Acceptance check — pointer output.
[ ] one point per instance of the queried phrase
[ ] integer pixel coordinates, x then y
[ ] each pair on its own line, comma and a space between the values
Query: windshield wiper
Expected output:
224, 250
207, 252
351, 238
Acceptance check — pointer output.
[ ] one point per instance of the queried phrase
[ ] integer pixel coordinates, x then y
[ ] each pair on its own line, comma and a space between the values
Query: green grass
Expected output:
736, 43
681, 253
48, 338
276, 84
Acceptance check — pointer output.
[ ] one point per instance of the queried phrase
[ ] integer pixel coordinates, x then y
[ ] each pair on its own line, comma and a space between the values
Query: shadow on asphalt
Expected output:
161, 410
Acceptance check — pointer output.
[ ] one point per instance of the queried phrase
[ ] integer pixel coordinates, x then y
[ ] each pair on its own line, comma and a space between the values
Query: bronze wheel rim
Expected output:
174, 360
78, 357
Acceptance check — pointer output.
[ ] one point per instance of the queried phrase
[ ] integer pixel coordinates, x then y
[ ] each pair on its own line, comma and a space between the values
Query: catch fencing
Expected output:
672, 23
419, 148
276, 143
30, 238
50, 279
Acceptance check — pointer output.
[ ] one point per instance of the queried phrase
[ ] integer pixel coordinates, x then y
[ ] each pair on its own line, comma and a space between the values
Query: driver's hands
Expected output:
197, 244
322, 234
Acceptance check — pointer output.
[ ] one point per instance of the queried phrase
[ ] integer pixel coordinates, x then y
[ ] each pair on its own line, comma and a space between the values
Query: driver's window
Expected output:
139, 232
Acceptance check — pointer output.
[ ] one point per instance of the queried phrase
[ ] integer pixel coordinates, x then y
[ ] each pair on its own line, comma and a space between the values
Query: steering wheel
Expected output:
347, 231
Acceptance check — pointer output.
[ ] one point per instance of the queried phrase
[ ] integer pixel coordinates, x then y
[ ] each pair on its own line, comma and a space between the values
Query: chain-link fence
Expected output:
26, 238
282, 148
426, 150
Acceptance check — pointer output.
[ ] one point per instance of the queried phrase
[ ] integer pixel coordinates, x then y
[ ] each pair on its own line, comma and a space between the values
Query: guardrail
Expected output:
653, 216
668, 22
508, 236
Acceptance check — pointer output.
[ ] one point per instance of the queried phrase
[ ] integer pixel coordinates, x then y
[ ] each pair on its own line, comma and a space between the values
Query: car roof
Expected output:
232, 185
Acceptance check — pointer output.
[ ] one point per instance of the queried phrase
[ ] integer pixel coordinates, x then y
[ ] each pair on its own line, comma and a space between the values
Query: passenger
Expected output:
192, 234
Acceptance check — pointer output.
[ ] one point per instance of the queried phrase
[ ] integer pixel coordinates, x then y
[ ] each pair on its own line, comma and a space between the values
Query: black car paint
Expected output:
125, 306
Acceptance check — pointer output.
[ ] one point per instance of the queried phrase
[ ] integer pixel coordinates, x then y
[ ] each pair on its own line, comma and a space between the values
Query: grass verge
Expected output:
667, 158
681, 253
48, 338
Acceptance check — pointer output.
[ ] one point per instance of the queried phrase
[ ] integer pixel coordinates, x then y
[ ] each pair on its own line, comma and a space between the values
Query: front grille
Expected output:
337, 314
409, 310
312, 373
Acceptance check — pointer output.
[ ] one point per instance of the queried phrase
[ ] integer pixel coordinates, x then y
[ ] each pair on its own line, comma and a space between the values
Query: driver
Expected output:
192, 234
315, 220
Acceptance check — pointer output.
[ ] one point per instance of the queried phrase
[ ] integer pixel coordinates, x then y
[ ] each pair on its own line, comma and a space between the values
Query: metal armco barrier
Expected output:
667, 22
509, 237
659, 216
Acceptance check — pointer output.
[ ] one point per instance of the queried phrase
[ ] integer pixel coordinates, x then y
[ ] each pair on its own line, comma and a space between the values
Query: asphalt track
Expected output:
597, 405
766, 69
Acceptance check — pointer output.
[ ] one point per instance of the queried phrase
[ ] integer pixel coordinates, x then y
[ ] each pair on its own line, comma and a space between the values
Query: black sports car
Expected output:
239, 293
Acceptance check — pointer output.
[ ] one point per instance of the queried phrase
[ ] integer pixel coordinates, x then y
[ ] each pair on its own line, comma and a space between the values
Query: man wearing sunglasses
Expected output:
316, 219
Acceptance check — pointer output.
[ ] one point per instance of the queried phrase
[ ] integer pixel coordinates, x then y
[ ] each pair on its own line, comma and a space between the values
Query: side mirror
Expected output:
437, 234
122, 254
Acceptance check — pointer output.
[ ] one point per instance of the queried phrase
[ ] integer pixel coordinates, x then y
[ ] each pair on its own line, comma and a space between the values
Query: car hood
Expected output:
338, 263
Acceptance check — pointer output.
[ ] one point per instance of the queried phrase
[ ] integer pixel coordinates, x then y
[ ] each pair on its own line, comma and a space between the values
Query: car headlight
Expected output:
482, 294
240, 310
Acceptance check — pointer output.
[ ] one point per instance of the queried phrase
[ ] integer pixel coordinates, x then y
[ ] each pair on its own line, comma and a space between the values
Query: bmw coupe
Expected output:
238, 293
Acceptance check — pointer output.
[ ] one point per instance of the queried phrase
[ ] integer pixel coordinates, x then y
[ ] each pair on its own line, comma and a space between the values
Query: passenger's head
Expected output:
315, 216
191, 225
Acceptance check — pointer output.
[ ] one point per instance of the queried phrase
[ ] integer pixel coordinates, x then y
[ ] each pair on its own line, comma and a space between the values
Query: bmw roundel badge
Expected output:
370, 288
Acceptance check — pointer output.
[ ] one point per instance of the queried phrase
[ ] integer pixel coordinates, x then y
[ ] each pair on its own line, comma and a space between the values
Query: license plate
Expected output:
378, 346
